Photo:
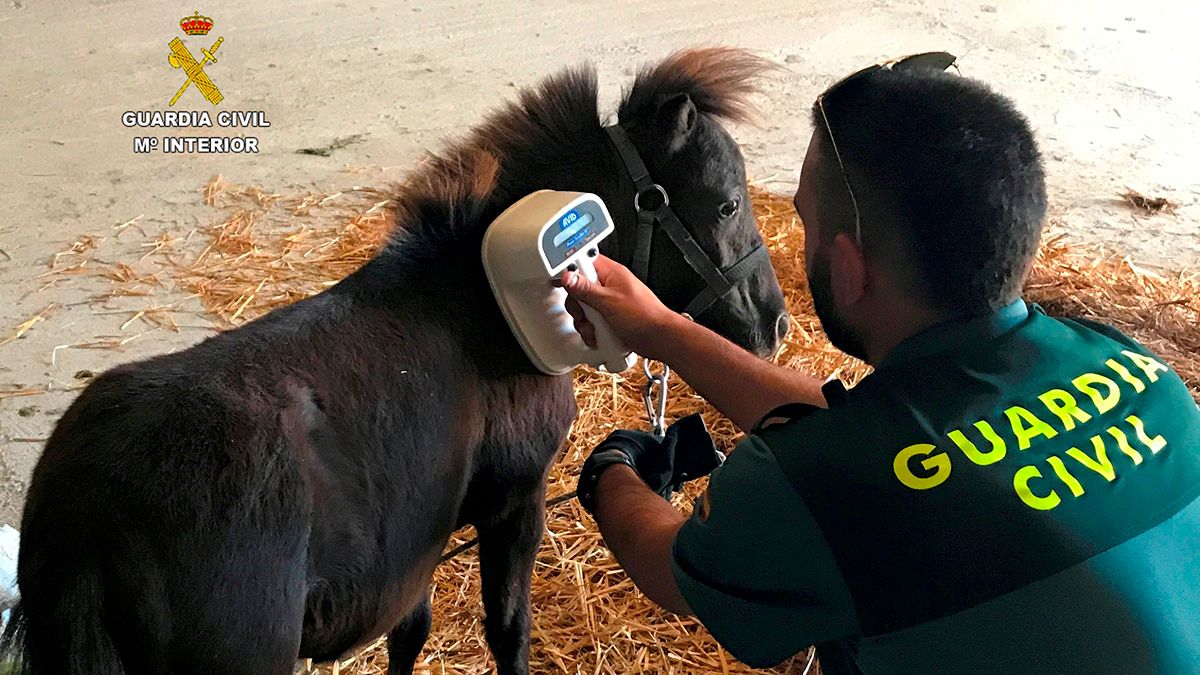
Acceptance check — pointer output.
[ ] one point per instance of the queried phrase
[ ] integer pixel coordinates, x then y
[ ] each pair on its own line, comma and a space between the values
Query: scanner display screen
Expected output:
573, 231
573, 228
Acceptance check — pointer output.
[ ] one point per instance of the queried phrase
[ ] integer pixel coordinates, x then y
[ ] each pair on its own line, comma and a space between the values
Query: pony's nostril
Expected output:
782, 326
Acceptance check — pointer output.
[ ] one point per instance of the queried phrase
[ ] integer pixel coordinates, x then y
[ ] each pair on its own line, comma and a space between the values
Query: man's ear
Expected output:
676, 118
848, 271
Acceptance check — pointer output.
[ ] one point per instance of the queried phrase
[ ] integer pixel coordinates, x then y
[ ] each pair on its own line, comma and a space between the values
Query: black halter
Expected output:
653, 208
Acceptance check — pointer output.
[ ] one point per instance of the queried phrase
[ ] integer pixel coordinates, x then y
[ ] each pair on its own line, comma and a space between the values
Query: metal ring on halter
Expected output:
637, 198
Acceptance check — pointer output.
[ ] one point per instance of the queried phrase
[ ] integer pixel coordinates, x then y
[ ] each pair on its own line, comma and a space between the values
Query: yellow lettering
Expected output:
1147, 364
1123, 444
1101, 464
1086, 384
981, 458
1060, 470
1021, 484
938, 464
1027, 426
1063, 404
1121, 370
1139, 429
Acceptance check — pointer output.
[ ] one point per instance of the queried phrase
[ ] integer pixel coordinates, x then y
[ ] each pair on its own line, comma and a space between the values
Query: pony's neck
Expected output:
436, 269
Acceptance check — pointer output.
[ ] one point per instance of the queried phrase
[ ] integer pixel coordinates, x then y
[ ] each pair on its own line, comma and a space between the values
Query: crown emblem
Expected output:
196, 24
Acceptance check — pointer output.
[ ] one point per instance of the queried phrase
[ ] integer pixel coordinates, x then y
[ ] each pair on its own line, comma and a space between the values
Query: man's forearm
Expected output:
739, 384
639, 528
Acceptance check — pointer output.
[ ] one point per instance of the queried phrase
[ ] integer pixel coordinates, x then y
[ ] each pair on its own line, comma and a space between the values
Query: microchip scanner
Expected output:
528, 246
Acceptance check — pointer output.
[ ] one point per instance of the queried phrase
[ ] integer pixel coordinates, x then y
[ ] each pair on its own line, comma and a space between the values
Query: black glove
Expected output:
684, 453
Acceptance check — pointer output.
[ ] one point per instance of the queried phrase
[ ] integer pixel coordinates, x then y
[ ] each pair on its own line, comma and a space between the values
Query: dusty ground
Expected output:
1111, 88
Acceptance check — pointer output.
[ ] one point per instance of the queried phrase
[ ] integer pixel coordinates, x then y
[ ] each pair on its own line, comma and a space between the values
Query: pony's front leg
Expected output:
406, 640
507, 547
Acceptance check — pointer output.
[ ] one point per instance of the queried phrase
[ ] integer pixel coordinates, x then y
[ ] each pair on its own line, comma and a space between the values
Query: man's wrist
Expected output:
594, 469
615, 478
668, 334
676, 322
616, 474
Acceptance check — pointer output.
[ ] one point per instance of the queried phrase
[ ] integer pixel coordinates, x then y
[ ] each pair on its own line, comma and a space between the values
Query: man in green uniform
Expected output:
1006, 493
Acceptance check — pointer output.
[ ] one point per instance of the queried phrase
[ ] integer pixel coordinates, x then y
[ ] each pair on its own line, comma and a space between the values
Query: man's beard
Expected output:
821, 287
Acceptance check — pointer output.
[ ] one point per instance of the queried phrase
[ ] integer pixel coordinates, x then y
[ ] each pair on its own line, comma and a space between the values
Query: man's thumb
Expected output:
580, 287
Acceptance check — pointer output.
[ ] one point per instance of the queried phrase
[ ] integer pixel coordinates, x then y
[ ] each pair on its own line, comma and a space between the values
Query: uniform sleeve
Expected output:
755, 568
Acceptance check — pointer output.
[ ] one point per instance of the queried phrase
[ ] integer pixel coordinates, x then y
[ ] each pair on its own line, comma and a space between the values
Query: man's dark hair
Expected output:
943, 169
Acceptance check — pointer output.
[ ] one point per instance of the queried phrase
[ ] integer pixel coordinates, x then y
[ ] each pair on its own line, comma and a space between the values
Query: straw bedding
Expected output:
271, 249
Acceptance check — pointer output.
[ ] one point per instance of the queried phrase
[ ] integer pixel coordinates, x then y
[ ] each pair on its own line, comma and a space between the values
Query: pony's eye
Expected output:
730, 208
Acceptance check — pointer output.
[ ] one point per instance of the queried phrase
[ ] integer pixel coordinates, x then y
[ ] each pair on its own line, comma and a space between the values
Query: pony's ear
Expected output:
676, 120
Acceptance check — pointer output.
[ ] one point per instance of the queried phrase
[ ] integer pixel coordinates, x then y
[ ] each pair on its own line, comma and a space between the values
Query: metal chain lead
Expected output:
656, 410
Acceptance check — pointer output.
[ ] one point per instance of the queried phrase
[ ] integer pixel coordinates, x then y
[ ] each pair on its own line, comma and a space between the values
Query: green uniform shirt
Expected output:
1010, 493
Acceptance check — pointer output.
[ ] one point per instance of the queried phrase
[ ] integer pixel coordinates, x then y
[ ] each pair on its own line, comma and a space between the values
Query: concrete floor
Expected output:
1112, 89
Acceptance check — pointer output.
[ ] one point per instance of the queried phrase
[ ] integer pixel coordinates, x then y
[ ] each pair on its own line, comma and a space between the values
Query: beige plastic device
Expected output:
532, 243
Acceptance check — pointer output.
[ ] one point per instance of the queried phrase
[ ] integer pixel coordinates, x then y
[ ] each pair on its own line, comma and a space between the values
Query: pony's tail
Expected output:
63, 638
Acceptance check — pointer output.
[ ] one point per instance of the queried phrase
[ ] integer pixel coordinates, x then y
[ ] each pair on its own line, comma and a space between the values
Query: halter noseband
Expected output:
653, 207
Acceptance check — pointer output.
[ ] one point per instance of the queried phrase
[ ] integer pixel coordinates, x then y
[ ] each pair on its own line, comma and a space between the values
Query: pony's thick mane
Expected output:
553, 126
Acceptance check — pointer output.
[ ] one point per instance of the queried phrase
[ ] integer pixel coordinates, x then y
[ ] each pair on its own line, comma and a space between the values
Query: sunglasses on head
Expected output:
937, 61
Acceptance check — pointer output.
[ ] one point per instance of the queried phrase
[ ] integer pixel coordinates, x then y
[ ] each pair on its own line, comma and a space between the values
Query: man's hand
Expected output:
628, 306
738, 383
684, 453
